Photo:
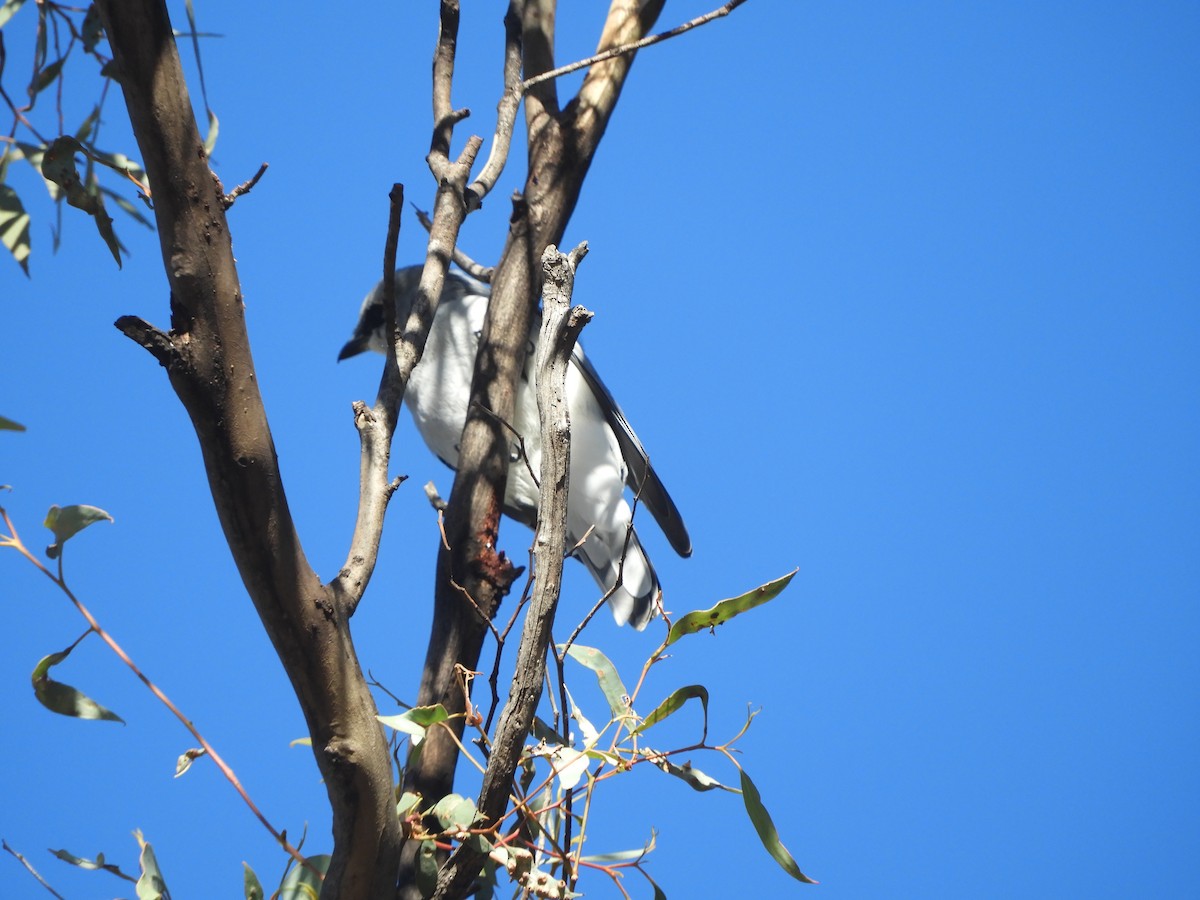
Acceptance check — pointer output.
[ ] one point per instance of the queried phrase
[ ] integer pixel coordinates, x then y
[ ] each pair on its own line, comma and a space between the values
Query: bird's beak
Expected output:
354, 346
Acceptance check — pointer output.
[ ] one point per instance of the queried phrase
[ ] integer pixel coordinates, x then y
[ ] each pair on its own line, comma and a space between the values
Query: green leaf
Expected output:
84, 131
407, 804
455, 813
62, 698
766, 830
427, 868
92, 29
214, 128
98, 864
150, 885
610, 682
251, 886
8, 9
58, 166
45, 78
693, 777
14, 226
673, 703
416, 721
10, 425
302, 883
705, 619
625, 855
68, 521
186, 758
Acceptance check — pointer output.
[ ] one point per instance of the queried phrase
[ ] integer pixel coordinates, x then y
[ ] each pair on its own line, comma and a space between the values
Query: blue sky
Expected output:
902, 295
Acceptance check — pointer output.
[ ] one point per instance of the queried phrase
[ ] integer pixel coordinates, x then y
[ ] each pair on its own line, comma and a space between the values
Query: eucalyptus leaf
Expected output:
14, 232
68, 521
62, 698
8, 9
767, 832
251, 886
606, 673
674, 702
150, 884
302, 883
706, 619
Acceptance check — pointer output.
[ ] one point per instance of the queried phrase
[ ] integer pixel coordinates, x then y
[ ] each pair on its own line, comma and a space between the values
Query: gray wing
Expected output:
641, 477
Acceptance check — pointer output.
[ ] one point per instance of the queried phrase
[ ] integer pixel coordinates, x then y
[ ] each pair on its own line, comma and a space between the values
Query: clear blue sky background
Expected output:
904, 295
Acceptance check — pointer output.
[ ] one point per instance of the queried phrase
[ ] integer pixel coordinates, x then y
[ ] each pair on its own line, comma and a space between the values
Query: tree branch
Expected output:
561, 326
212, 372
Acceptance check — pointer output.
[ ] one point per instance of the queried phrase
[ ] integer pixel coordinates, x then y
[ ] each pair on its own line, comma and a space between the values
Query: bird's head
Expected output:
372, 321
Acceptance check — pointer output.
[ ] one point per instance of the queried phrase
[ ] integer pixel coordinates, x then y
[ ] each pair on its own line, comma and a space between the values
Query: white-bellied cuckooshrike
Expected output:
605, 453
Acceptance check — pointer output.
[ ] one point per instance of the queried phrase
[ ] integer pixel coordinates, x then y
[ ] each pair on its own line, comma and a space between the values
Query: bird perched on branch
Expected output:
605, 453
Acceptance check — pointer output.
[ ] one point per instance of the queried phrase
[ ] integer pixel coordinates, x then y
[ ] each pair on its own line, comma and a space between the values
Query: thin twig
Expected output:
632, 46
245, 187
32, 871
14, 540
464, 262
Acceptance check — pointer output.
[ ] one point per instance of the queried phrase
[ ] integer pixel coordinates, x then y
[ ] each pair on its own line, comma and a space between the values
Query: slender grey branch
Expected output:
375, 430
245, 187
461, 259
443, 78
561, 325
506, 109
632, 46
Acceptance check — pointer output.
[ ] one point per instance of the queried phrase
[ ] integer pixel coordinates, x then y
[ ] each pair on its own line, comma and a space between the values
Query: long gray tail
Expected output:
634, 601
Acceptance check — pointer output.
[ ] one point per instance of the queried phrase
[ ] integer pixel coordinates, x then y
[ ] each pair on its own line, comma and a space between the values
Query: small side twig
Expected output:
632, 46
461, 259
32, 871
15, 542
245, 187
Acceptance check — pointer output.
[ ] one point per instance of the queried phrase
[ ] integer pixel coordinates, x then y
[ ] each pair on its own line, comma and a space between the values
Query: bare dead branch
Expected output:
155, 342
443, 78
31, 870
561, 326
461, 259
506, 109
632, 46
375, 429
245, 187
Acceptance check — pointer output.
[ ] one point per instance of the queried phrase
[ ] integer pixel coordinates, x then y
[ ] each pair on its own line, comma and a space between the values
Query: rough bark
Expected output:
208, 360
562, 145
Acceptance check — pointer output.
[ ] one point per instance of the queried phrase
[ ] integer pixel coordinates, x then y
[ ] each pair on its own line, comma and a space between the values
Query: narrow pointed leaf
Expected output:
46, 77
302, 883
150, 885
705, 619
427, 868
693, 777
606, 673
58, 166
675, 702
416, 721
251, 886
766, 830
14, 227
10, 425
92, 29
8, 9
98, 864
62, 698
626, 855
